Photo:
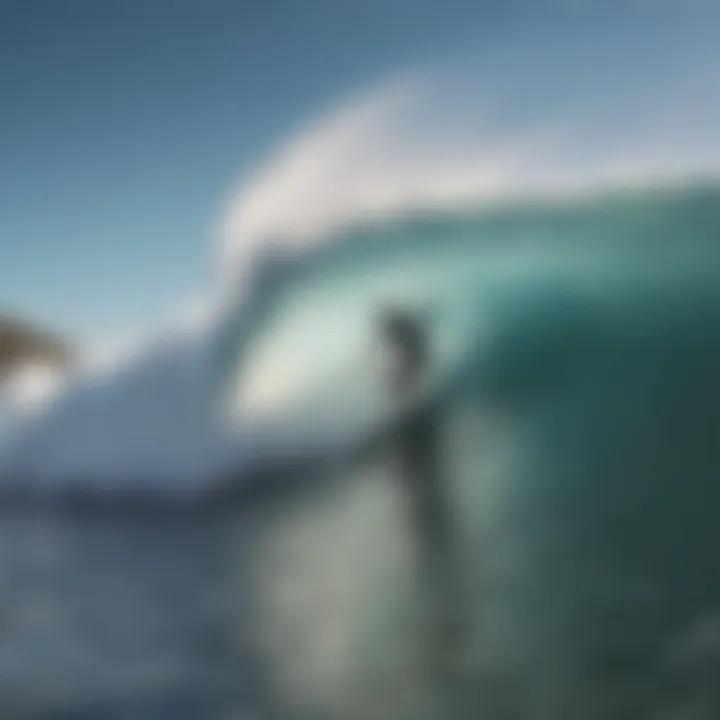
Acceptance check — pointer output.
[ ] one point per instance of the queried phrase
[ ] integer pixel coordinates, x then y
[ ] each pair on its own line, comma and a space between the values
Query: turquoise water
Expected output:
310, 367
578, 406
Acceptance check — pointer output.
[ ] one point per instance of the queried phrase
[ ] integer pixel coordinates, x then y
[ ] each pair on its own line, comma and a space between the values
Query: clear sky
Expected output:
124, 124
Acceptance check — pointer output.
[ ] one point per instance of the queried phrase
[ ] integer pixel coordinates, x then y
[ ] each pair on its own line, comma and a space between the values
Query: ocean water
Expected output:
576, 394
309, 359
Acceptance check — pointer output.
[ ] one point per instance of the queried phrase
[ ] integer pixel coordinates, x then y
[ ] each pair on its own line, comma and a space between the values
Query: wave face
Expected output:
580, 343
310, 367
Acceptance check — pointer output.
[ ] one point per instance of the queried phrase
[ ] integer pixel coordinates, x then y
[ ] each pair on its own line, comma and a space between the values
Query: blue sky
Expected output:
124, 125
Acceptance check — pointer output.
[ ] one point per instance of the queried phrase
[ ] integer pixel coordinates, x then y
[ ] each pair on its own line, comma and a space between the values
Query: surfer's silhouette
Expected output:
416, 448
415, 440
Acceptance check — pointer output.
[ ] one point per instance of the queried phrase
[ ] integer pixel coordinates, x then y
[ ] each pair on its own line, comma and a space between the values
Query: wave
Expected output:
578, 459
306, 369
522, 281
412, 191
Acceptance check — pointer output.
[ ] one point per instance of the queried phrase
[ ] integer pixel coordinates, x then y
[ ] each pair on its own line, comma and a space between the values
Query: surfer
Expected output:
415, 441
417, 450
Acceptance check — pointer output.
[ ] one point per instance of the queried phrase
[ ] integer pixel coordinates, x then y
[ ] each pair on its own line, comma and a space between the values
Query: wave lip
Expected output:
541, 111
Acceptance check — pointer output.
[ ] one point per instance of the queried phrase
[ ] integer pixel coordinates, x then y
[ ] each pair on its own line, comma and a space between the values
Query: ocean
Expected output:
576, 394
575, 391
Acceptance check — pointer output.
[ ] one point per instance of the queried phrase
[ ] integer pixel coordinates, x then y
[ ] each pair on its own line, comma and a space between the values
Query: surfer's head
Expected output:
403, 338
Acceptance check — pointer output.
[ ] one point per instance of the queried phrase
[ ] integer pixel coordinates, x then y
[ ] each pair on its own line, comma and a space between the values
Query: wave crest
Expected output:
537, 113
